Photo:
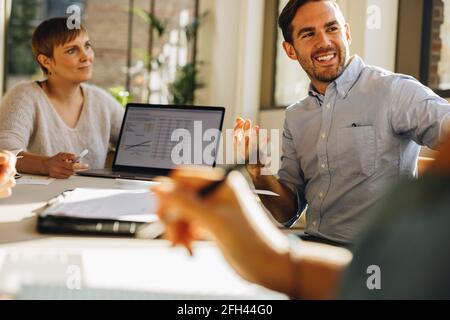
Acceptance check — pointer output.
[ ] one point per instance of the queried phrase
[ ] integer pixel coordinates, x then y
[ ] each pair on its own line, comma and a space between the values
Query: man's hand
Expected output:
63, 166
7, 172
246, 139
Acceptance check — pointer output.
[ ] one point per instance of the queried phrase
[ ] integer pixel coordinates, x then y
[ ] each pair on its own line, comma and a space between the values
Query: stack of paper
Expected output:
126, 205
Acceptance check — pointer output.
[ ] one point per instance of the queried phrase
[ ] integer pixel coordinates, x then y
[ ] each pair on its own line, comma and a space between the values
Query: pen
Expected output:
154, 229
81, 156
216, 184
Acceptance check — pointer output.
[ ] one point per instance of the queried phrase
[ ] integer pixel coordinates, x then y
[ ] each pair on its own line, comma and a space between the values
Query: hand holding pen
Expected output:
81, 156
64, 165
185, 200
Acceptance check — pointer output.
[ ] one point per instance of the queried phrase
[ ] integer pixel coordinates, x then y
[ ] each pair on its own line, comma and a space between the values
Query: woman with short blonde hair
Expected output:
53, 120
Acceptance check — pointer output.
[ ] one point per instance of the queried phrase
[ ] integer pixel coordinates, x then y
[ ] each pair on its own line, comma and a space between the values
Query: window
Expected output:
283, 81
25, 17
145, 47
437, 41
291, 82
423, 49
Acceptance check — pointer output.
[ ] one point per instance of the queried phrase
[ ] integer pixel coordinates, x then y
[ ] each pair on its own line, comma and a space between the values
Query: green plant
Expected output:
182, 90
121, 95
20, 57
152, 20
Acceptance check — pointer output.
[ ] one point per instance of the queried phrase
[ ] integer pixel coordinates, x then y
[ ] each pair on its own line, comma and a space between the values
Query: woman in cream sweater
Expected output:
52, 121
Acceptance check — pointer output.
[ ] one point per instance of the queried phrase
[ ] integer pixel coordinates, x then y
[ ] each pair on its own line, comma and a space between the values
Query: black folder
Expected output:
60, 224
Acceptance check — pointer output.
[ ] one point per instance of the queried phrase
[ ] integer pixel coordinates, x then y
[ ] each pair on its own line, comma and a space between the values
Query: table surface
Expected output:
28, 258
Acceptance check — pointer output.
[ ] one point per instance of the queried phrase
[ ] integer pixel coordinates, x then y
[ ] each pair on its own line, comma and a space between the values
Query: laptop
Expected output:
156, 138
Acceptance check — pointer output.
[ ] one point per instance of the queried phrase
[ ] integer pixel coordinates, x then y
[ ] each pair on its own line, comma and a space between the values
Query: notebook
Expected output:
102, 212
151, 136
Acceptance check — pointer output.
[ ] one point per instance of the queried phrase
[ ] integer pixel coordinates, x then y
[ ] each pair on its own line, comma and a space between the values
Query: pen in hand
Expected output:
81, 156
203, 193
180, 232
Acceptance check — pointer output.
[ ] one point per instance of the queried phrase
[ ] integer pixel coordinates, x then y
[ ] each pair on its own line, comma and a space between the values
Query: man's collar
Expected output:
346, 80
313, 92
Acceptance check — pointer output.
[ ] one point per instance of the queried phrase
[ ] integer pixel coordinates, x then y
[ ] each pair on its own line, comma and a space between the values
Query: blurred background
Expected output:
225, 52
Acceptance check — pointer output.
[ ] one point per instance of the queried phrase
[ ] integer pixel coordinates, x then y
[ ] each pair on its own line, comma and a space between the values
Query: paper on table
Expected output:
135, 184
34, 180
126, 205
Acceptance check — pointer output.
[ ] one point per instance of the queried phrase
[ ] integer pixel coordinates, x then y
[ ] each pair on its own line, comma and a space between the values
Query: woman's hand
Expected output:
7, 172
63, 166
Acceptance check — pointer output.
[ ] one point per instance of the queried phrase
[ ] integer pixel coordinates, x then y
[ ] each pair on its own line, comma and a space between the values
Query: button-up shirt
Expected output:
341, 150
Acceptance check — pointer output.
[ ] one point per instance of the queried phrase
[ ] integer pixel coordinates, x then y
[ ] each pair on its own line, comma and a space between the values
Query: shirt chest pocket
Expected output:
356, 151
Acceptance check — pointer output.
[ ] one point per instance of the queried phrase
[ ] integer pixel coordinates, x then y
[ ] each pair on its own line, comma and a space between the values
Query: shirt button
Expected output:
328, 106
323, 135
323, 166
315, 223
321, 195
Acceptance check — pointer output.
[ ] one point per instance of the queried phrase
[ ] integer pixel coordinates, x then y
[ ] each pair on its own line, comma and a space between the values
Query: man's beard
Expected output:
327, 76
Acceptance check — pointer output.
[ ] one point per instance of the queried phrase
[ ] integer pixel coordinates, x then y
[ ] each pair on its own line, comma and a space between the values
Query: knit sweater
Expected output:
28, 121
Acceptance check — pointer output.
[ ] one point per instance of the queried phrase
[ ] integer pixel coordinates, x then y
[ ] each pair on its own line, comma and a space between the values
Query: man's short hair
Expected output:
288, 14
50, 34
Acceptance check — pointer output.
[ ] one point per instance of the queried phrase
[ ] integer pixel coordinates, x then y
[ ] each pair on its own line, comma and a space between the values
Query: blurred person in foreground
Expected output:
405, 239
7, 172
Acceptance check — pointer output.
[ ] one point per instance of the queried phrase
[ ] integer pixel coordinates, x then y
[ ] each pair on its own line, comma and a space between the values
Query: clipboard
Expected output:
50, 223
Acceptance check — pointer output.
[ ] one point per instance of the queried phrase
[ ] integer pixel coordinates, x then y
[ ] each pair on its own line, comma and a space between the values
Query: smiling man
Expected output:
358, 129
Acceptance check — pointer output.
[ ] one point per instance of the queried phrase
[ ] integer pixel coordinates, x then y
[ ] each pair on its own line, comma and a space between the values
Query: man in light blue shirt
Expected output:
358, 129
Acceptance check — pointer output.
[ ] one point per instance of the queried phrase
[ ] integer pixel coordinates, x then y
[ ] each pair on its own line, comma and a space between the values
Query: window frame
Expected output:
4, 21
415, 39
426, 46
270, 51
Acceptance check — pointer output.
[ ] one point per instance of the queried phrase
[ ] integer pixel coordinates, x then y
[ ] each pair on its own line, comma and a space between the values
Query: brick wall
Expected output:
107, 24
436, 43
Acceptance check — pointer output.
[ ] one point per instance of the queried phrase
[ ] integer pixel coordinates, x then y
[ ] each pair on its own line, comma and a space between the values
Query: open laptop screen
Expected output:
162, 137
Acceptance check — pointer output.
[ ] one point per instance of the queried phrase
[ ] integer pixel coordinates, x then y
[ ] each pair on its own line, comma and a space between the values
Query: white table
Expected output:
30, 258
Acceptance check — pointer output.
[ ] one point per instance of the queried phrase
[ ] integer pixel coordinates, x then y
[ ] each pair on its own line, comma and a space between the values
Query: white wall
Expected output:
230, 44
380, 43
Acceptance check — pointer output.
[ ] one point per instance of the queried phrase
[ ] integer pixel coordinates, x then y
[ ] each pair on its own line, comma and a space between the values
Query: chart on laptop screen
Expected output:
150, 136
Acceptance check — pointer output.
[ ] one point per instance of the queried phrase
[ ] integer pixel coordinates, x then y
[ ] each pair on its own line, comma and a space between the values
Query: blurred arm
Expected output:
253, 246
